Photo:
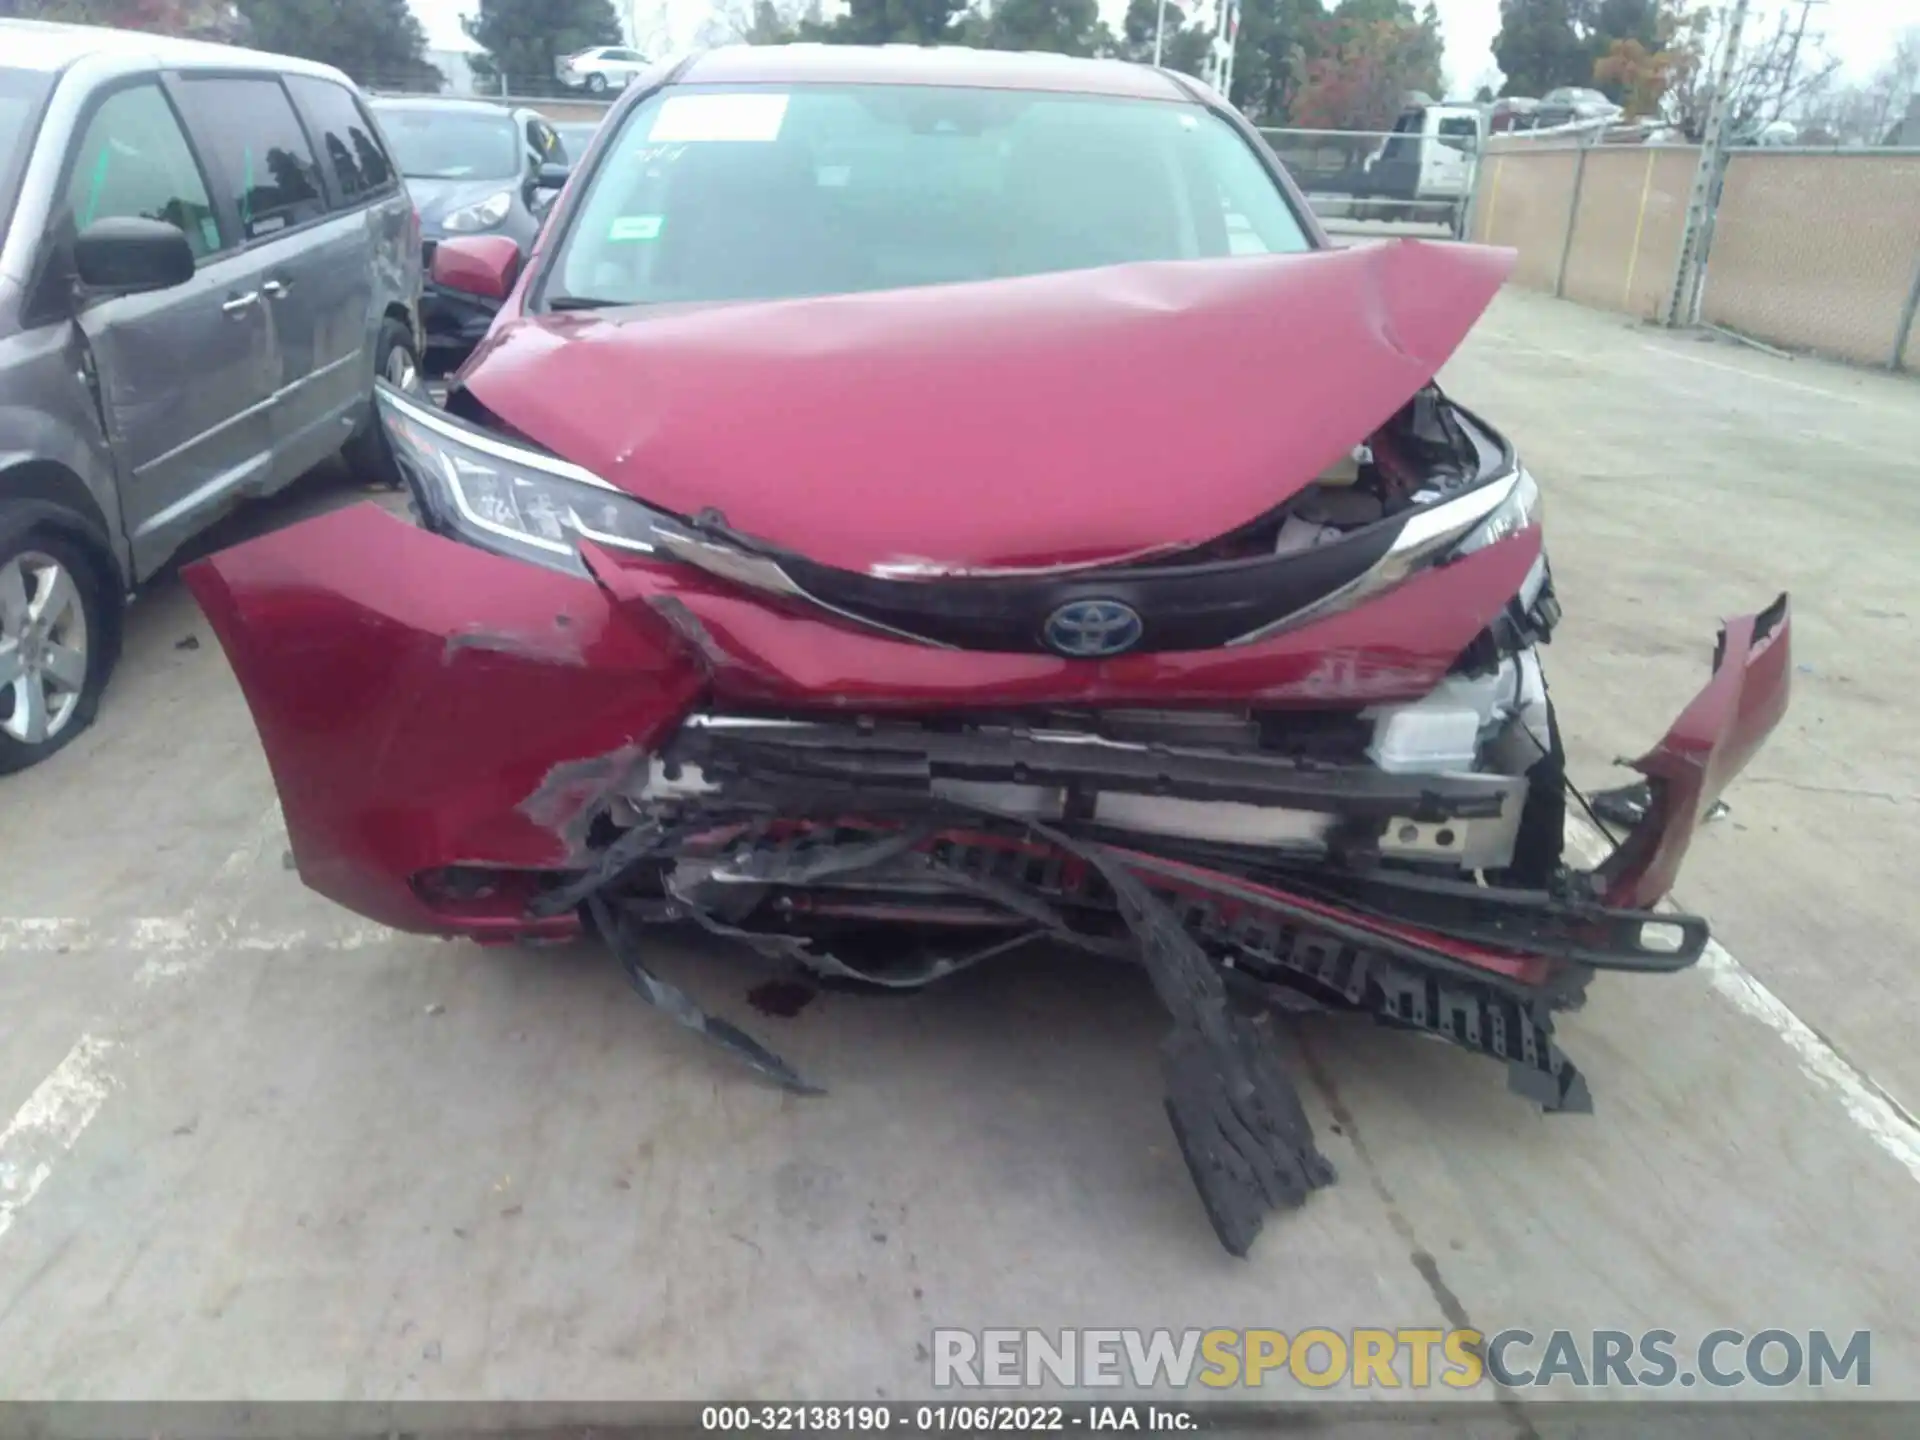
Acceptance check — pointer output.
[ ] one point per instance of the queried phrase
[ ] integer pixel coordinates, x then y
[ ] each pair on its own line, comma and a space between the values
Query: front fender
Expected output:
424, 704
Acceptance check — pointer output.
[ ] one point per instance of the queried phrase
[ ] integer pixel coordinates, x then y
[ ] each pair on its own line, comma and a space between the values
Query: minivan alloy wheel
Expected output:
43, 647
400, 371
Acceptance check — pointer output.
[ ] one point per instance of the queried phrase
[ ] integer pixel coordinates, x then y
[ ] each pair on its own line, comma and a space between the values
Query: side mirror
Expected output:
552, 177
481, 265
129, 255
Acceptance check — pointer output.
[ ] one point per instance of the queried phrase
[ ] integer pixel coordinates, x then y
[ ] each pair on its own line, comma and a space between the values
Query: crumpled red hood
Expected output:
1068, 419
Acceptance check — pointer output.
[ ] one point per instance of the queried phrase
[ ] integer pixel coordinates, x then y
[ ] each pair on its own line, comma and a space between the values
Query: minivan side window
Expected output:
133, 161
248, 126
354, 161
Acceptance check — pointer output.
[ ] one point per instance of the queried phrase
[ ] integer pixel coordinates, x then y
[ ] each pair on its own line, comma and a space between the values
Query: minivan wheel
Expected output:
55, 645
398, 363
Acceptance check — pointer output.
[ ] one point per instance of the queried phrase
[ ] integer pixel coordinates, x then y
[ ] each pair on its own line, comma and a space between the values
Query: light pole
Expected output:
1159, 29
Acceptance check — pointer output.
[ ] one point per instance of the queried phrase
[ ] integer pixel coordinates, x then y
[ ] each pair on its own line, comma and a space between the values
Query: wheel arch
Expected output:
51, 494
45, 495
396, 311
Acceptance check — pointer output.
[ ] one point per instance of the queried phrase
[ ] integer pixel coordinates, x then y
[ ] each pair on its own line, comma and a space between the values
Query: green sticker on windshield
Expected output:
636, 227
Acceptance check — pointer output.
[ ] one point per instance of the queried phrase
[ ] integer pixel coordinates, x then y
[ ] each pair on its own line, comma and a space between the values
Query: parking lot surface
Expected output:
251, 1145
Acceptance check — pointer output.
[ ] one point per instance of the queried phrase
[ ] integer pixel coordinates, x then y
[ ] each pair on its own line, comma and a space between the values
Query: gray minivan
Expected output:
208, 256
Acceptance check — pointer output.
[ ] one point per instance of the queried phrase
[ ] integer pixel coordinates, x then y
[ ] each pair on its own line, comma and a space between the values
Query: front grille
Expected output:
1181, 607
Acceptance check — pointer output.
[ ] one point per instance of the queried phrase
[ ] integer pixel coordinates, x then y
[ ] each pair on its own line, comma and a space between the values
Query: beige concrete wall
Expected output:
1816, 252
1526, 200
1627, 231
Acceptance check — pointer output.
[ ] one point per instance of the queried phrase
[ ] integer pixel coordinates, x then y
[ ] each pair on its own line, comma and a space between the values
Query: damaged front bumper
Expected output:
468, 745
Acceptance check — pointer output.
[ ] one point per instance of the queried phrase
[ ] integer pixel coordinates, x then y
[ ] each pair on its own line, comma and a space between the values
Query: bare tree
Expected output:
1865, 114
653, 31
1782, 66
756, 22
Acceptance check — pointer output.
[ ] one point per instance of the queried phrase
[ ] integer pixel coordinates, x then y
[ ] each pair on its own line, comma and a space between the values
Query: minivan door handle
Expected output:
274, 289
240, 302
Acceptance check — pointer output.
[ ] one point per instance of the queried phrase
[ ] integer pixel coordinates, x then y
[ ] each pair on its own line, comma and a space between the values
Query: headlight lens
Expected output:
504, 497
1520, 509
481, 215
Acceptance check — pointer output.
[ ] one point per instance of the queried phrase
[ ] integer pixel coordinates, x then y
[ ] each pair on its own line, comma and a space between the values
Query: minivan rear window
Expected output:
262, 153
355, 161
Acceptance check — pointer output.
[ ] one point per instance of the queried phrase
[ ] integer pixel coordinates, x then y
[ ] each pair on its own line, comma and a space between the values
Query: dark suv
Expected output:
208, 256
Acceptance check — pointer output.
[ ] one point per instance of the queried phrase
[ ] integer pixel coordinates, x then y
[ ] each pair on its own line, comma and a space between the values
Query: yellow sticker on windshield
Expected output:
685, 118
636, 227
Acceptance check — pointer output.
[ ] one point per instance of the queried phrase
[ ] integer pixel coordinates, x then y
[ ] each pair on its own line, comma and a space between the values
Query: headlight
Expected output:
1440, 530
481, 215
1520, 509
505, 498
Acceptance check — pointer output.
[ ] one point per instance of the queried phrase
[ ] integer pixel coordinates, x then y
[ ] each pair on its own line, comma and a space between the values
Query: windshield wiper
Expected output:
584, 302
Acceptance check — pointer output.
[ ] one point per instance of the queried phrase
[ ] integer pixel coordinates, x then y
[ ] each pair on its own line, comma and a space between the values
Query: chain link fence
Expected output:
1814, 250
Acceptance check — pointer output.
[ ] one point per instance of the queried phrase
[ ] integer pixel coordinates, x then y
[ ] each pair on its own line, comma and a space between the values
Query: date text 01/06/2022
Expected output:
969, 1417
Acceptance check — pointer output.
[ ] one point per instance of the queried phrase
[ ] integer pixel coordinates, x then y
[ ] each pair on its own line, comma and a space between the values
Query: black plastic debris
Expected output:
681, 1009
1627, 805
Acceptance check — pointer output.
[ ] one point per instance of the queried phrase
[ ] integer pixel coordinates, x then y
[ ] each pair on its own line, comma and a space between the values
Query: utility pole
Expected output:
1683, 308
1159, 30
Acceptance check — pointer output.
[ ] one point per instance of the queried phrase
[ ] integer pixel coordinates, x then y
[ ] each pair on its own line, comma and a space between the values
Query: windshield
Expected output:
751, 193
452, 145
21, 94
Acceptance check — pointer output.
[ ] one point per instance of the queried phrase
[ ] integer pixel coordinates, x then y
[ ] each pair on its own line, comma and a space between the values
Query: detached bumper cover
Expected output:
1705, 748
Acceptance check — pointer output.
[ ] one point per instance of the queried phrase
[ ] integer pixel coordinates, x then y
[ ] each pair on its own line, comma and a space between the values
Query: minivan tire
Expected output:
367, 454
91, 607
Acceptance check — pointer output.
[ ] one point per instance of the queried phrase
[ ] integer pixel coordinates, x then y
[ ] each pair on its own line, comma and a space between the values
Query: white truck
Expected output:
1424, 169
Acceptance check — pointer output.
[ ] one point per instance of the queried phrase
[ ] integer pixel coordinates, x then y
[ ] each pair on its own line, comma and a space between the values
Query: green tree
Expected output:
1363, 70
1546, 43
523, 38
377, 42
198, 19
891, 22
1065, 27
1276, 41
1540, 46
1183, 46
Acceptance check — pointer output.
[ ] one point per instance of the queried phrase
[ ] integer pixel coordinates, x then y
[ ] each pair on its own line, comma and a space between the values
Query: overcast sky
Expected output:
1859, 32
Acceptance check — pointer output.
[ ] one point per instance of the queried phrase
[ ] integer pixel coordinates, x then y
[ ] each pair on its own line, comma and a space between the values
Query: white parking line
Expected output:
164, 935
1747, 374
45, 1128
1884, 1120
65, 1103
1672, 352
